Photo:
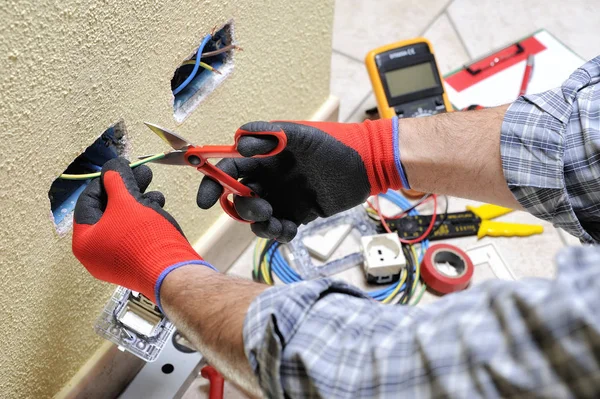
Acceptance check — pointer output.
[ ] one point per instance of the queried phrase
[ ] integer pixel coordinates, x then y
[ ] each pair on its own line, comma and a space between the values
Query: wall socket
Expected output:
383, 258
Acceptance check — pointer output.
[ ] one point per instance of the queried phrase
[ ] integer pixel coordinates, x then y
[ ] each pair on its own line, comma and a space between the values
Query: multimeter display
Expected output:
408, 80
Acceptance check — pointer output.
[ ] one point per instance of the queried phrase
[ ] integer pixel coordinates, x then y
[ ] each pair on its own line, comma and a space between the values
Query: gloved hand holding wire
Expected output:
124, 236
325, 168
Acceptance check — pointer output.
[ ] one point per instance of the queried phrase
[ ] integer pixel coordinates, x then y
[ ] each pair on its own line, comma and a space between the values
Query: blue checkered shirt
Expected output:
531, 338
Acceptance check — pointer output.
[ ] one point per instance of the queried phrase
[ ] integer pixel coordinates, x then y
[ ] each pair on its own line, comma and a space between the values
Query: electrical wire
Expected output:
88, 176
221, 50
420, 295
410, 266
401, 202
371, 209
272, 260
418, 268
417, 273
421, 201
196, 65
202, 64
398, 287
266, 275
256, 276
443, 219
413, 241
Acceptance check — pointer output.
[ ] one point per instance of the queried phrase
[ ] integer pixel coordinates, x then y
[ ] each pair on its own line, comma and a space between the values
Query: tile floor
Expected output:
460, 30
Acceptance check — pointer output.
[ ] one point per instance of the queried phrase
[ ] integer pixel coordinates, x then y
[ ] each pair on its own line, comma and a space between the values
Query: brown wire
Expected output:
221, 50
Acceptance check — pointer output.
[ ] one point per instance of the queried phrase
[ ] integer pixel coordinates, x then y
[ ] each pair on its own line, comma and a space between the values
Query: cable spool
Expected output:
439, 261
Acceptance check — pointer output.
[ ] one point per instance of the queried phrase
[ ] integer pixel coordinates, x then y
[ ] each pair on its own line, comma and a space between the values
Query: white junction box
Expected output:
383, 257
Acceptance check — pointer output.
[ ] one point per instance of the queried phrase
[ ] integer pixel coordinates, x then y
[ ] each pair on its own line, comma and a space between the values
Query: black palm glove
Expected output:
325, 168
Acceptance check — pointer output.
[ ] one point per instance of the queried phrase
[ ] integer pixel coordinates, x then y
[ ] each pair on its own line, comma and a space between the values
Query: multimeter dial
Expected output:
422, 112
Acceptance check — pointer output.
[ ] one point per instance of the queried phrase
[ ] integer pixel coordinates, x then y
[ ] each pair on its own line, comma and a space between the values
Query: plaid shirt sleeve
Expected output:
531, 338
550, 153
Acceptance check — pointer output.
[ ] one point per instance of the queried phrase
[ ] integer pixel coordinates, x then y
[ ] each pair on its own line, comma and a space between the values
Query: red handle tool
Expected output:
186, 153
197, 156
216, 382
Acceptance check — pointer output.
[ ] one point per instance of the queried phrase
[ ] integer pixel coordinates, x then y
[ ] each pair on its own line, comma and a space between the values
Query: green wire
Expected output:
418, 298
254, 262
88, 176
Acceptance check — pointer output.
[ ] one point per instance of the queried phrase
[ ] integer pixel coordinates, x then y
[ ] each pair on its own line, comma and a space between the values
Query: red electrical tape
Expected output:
437, 279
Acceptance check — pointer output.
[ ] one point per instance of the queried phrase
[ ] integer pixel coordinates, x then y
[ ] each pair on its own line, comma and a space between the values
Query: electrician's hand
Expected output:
325, 168
124, 236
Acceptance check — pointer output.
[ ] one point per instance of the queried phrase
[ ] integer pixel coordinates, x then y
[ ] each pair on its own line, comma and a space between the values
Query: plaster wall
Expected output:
70, 69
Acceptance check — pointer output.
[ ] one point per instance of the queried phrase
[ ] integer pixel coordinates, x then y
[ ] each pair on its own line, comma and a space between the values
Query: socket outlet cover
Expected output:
383, 255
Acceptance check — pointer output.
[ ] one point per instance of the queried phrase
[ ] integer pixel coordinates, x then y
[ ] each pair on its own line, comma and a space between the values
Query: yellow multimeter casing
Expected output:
406, 80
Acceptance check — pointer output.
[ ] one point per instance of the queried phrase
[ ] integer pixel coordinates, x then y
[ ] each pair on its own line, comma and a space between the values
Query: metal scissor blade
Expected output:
170, 158
173, 139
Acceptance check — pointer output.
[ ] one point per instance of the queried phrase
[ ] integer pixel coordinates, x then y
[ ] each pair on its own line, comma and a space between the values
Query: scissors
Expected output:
186, 154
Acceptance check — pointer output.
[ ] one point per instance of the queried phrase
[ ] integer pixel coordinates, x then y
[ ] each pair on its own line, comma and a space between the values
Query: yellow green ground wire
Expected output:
263, 266
397, 289
418, 298
88, 176
202, 64
417, 269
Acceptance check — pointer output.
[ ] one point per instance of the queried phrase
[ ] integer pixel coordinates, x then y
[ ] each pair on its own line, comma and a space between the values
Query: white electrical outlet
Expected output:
383, 257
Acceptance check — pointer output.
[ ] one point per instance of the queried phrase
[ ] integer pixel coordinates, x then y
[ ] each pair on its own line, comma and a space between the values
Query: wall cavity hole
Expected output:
204, 81
63, 194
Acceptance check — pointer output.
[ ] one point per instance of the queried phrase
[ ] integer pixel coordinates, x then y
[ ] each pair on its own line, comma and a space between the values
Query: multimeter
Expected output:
406, 80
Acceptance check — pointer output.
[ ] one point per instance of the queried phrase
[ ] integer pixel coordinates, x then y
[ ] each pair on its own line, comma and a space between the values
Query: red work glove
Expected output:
125, 237
325, 168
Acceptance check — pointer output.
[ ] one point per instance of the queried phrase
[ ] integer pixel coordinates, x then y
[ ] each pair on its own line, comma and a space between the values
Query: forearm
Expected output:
457, 154
209, 309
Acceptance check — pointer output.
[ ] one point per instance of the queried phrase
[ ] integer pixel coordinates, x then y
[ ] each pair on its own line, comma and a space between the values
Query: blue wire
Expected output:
196, 65
287, 275
284, 268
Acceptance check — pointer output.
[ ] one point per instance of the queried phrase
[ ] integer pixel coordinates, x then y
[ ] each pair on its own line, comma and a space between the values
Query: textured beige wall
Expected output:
71, 68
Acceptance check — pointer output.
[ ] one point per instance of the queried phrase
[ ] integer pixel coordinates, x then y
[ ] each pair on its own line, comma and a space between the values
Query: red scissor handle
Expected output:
197, 157
279, 135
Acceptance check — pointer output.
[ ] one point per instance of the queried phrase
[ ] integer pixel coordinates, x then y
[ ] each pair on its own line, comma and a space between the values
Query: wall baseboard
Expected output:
108, 372
104, 375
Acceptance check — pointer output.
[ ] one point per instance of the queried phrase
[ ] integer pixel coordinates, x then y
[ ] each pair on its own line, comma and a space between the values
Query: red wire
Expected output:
405, 212
401, 214
413, 241
381, 217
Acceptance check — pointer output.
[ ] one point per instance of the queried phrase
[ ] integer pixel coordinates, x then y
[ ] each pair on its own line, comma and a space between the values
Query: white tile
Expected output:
360, 26
350, 82
486, 25
359, 114
449, 50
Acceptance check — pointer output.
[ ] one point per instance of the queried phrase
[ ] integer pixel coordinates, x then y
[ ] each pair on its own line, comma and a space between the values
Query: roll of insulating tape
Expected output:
446, 268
